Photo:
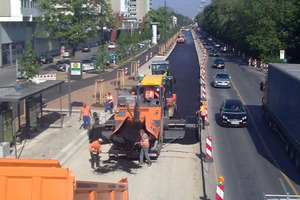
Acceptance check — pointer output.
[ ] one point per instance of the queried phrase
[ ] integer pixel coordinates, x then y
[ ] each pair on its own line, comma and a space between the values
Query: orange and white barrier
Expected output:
146, 57
202, 80
138, 63
206, 116
203, 92
126, 70
255, 63
250, 61
150, 54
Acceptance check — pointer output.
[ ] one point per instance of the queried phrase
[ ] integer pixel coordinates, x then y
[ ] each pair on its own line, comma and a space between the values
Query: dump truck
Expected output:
160, 67
42, 179
281, 106
134, 112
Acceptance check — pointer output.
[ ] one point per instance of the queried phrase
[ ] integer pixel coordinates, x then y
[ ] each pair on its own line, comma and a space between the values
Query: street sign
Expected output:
76, 70
281, 54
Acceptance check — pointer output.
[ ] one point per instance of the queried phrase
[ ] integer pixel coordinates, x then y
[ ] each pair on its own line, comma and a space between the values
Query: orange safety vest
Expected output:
95, 147
150, 93
203, 110
109, 99
85, 111
145, 141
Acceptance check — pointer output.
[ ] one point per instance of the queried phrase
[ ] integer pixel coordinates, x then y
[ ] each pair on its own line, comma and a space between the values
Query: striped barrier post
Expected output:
255, 63
126, 70
261, 65
138, 63
150, 54
220, 189
203, 93
250, 60
202, 80
208, 155
206, 116
146, 58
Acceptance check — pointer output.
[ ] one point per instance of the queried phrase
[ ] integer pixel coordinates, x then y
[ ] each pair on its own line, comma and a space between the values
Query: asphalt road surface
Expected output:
176, 173
252, 160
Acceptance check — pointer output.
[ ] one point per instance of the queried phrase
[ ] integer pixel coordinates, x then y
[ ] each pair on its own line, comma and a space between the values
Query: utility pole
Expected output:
165, 24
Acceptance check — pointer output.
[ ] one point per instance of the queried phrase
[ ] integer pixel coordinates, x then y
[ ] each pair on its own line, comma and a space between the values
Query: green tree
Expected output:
28, 65
74, 21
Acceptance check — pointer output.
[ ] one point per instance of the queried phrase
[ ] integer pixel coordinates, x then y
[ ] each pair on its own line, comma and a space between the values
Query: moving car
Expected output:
233, 113
87, 64
219, 63
86, 48
221, 79
214, 53
46, 59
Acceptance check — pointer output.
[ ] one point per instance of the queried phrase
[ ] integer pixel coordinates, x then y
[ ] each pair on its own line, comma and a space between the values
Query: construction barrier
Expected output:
138, 63
203, 93
146, 58
220, 192
42, 78
206, 116
150, 54
126, 70
208, 157
255, 63
250, 61
202, 80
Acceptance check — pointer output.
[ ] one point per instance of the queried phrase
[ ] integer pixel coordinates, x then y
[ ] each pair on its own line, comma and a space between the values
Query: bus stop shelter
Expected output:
25, 105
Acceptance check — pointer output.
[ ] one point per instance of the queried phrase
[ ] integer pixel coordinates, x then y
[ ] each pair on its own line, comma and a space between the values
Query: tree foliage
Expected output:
74, 21
28, 65
259, 28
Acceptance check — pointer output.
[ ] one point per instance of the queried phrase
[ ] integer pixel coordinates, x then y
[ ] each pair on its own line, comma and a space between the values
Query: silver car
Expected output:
221, 79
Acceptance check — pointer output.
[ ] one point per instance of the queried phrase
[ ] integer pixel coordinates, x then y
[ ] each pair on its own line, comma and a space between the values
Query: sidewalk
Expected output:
61, 143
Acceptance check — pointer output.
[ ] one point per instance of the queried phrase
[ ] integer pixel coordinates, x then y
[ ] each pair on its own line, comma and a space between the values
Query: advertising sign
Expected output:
76, 68
7, 126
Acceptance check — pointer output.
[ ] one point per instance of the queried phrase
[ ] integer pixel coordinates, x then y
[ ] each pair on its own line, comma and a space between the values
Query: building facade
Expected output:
16, 26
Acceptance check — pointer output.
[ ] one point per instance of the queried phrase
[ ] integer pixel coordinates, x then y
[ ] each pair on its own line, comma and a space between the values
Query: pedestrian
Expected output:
95, 149
202, 113
144, 142
17, 85
109, 102
85, 114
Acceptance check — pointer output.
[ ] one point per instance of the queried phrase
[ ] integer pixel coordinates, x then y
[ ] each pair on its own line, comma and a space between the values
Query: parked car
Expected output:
68, 53
112, 45
214, 53
86, 48
219, 63
87, 64
221, 79
224, 49
45, 59
63, 65
233, 113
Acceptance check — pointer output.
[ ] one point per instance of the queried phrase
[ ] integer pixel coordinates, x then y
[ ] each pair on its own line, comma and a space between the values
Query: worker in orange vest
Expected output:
144, 142
202, 113
109, 102
85, 115
95, 149
151, 93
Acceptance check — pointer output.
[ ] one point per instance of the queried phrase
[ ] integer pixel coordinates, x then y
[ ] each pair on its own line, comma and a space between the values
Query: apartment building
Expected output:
17, 26
139, 9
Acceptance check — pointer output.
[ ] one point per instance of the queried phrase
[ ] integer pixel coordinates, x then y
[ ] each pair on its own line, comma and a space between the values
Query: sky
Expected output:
185, 7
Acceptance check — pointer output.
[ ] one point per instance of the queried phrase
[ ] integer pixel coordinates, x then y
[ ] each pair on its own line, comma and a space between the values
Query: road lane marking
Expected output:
265, 145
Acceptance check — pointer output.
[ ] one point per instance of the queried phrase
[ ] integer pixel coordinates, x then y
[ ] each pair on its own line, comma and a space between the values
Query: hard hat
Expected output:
100, 140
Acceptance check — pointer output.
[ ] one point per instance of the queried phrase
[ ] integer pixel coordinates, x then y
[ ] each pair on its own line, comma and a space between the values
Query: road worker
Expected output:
144, 142
109, 102
202, 113
151, 93
85, 115
95, 149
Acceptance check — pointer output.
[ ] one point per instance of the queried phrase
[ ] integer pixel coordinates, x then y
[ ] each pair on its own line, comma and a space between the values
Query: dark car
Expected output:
46, 59
219, 63
63, 65
86, 48
214, 53
233, 113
